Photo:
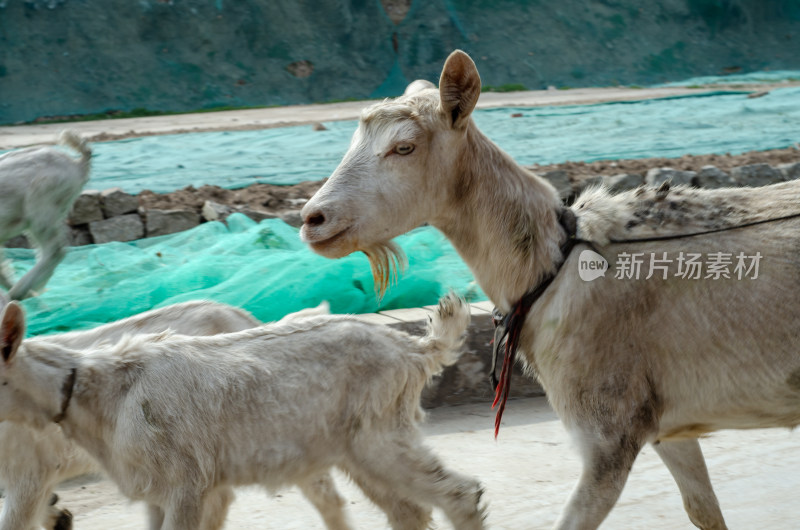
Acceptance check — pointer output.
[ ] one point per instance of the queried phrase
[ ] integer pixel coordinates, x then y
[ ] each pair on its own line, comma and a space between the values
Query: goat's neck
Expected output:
101, 382
41, 375
502, 219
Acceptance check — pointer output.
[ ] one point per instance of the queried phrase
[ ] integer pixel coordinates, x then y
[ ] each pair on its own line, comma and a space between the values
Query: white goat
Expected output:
178, 421
33, 461
623, 362
37, 189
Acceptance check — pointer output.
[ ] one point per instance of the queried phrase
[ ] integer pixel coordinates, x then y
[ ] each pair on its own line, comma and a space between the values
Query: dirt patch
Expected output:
266, 198
578, 171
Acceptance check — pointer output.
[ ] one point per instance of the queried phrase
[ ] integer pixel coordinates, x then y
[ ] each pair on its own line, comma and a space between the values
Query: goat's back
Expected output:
196, 317
260, 405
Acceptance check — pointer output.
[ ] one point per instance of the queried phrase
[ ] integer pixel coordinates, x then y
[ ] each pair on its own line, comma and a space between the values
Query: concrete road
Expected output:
528, 473
263, 118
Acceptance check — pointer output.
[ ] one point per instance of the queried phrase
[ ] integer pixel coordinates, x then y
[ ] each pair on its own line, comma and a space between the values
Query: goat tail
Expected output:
72, 139
446, 329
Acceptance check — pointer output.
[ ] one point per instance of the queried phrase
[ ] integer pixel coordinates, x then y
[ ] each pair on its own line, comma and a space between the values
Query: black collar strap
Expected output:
508, 327
66, 392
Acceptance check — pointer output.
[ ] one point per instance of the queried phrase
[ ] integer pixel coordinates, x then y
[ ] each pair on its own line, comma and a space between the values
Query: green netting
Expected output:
670, 127
263, 268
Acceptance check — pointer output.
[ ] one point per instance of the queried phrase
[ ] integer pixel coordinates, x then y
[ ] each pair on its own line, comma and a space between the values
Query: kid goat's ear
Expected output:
12, 330
459, 87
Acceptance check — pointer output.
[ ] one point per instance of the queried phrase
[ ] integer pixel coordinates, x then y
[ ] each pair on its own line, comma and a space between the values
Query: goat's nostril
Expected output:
315, 219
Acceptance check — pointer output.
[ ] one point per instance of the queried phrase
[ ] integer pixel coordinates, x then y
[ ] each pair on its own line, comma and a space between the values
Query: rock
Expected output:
755, 175
86, 208
256, 215
116, 202
19, 241
292, 218
301, 69
590, 182
214, 211
318, 127
623, 182
560, 180
79, 236
790, 171
162, 222
120, 228
467, 381
712, 177
298, 202
658, 175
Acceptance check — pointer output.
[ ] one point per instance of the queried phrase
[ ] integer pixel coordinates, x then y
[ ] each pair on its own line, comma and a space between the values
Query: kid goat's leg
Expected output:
684, 459
403, 465
6, 274
51, 242
322, 493
57, 518
403, 513
26, 504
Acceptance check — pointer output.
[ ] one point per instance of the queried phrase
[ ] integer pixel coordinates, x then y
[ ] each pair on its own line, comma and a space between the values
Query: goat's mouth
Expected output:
336, 246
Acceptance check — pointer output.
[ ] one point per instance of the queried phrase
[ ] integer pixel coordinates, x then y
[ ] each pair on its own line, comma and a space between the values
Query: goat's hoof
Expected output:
64, 521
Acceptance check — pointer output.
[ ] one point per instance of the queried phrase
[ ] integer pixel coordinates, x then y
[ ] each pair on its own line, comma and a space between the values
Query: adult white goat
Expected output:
178, 421
624, 361
37, 189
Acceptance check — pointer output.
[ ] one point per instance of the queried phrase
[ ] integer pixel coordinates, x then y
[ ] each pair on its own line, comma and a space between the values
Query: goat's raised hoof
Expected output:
64, 521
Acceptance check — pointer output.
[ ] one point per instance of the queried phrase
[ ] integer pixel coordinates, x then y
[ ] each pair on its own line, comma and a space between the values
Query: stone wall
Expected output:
113, 215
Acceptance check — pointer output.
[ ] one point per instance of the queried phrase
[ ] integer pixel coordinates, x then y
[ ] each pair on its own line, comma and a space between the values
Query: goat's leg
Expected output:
216, 507
185, 512
607, 461
57, 519
51, 242
6, 274
403, 513
684, 459
26, 505
155, 517
322, 493
406, 467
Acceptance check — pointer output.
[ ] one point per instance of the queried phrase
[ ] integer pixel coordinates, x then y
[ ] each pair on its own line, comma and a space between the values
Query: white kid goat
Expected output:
38, 186
33, 461
177, 421
660, 351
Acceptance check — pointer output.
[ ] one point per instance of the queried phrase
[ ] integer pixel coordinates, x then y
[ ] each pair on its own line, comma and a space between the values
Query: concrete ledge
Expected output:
467, 381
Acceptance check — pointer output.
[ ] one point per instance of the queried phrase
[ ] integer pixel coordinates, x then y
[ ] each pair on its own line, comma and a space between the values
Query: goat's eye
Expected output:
404, 149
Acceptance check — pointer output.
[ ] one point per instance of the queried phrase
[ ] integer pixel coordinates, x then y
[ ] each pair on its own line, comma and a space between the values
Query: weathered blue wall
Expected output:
62, 57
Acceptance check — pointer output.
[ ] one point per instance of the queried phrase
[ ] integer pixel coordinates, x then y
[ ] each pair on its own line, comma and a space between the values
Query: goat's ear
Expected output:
459, 87
12, 330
